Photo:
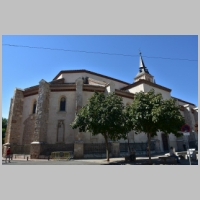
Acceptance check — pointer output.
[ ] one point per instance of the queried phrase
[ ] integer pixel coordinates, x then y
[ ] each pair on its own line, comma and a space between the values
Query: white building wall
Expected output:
55, 115
165, 94
71, 78
137, 88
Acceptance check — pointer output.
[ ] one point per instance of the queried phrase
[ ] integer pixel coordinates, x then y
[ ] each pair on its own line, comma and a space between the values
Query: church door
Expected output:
165, 142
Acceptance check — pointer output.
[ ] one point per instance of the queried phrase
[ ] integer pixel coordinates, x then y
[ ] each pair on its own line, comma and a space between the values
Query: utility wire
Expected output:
78, 51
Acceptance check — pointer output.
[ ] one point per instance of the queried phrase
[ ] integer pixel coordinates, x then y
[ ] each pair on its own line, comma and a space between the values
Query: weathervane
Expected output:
140, 52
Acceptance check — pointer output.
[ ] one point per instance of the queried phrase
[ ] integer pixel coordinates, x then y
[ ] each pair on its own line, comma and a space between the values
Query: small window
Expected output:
34, 107
62, 104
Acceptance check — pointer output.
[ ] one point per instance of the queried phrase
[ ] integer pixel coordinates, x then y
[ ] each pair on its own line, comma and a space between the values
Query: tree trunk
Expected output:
129, 145
149, 146
107, 150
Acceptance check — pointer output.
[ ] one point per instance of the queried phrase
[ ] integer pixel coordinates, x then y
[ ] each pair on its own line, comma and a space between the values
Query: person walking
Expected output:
8, 154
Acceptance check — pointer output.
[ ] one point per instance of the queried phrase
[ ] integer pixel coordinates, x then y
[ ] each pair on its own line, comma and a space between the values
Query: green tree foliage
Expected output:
4, 126
149, 113
102, 114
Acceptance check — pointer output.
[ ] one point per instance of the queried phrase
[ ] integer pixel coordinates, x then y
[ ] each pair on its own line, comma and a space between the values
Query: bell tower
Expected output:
143, 72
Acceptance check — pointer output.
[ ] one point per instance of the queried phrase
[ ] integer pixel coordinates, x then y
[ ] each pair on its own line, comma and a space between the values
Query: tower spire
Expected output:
143, 71
142, 67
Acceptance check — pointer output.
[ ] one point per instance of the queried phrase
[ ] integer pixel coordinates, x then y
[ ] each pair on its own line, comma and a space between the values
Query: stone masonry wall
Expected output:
7, 136
196, 116
42, 114
15, 118
29, 126
79, 101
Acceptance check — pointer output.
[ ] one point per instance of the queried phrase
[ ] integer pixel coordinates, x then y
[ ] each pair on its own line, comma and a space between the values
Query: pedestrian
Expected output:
8, 154
172, 153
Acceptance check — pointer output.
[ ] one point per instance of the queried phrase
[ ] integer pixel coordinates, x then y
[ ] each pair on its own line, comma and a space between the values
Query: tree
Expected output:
149, 113
4, 126
102, 114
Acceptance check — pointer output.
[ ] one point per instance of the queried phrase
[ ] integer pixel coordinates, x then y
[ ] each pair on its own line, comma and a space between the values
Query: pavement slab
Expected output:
113, 161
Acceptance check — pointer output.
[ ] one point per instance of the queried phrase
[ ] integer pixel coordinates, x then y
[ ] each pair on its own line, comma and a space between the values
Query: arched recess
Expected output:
62, 103
60, 131
34, 106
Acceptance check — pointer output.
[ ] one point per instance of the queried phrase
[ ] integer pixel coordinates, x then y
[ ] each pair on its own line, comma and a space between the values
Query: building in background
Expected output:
40, 116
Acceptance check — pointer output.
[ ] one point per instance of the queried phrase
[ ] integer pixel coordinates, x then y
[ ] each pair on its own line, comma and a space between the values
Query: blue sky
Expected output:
25, 67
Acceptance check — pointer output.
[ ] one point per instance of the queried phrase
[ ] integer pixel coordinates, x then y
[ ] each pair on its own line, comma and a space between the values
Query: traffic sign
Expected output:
185, 128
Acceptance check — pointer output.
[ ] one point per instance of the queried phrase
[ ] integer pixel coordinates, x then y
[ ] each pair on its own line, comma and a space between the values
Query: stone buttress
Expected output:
13, 132
78, 145
41, 121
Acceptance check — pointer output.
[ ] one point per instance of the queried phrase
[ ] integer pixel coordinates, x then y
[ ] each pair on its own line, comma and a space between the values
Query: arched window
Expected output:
34, 107
62, 104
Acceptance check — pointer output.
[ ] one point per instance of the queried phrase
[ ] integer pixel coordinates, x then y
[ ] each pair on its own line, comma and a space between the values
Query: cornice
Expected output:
89, 72
142, 81
124, 94
184, 101
93, 88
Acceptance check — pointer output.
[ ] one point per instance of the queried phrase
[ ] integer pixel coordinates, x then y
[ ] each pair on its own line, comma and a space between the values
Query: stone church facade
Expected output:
40, 116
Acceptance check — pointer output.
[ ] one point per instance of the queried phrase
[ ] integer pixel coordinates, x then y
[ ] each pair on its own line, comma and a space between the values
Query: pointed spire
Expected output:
142, 66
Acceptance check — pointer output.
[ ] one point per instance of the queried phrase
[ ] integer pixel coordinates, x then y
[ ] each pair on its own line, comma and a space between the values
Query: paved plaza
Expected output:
102, 161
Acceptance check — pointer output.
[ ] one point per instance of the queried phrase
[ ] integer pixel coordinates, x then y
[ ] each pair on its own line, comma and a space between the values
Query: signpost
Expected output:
186, 132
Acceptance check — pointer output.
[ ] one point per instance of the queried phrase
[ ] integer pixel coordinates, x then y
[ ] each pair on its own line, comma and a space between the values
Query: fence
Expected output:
20, 149
96, 150
140, 148
193, 144
46, 149
91, 150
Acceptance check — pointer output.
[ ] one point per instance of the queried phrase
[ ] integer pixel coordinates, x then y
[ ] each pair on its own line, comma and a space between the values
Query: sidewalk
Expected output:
101, 161
139, 161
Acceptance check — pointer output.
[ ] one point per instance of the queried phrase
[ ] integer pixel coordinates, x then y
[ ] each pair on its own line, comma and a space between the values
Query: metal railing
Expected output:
20, 149
138, 147
96, 150
182, 145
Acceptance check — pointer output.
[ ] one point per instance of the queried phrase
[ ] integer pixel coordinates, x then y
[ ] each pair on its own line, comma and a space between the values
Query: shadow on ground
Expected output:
153, 162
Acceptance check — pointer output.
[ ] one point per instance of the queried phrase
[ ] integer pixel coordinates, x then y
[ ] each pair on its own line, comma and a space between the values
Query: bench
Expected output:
168, 160
61, 155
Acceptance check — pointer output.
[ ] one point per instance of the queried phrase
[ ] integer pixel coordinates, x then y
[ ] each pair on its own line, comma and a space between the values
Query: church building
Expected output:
40, 116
